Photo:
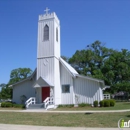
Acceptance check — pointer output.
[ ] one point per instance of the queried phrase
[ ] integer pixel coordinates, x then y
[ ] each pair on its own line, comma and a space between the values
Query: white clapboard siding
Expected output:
87, 90
66, 78
46, 69
23, 88
45, 48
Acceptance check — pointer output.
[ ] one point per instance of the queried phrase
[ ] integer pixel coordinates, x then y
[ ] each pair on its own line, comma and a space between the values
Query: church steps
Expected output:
36, 106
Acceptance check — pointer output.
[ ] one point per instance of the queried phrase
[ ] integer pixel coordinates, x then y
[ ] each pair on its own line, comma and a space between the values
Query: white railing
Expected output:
106, 96
48, 101
31, 100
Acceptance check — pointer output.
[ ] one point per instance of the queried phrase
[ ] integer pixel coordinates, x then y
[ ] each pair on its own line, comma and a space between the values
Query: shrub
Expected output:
66, 106
59, 106
71, 105
112, 102
9, 104
18, 106
95, 103
82, 105
106, 103
3, 104
88, 105
101, 103
6, 104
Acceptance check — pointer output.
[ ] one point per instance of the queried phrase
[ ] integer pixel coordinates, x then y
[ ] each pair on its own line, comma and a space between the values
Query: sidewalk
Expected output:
49, 111
27, 127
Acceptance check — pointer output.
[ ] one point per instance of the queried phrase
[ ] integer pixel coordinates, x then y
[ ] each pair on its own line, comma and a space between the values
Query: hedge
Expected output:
6, 104
9, 104
107, 103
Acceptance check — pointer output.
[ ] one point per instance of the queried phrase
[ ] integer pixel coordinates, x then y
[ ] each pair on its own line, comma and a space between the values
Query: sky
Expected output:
82, 22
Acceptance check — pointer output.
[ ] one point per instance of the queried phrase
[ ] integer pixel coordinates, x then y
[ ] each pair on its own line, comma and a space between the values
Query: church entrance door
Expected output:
45, 93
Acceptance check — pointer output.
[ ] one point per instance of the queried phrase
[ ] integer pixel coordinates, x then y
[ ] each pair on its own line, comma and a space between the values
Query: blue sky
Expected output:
82, 23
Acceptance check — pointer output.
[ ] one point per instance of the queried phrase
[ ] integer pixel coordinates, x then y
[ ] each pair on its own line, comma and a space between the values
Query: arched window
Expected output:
57, 34
46, 33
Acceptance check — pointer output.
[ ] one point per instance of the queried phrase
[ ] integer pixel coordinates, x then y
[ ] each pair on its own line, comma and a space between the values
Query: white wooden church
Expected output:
54, 81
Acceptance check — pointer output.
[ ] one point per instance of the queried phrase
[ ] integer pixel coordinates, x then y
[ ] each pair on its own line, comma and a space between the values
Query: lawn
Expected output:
10, 108
66, 119
118, 106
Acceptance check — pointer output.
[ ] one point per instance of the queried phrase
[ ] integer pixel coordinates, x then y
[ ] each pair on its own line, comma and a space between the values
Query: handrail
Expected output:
31, 100
47, 101
106, 96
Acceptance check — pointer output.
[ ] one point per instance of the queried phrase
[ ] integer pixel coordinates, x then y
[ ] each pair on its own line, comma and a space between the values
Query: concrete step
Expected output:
36, 106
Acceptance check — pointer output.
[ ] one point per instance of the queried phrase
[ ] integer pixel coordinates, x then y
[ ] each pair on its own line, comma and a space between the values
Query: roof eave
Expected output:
28, 78
72, 74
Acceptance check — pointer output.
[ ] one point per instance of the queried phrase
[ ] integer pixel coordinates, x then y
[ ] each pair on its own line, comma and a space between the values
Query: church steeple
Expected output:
48, 48
48, 52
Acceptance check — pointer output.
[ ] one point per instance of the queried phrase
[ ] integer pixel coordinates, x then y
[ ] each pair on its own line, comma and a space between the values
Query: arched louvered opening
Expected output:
46, 32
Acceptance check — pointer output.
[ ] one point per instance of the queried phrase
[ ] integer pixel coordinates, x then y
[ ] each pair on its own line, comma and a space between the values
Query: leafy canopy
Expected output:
108, 64
15, 76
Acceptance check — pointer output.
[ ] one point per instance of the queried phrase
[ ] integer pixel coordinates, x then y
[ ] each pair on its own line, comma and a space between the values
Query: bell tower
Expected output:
48, 51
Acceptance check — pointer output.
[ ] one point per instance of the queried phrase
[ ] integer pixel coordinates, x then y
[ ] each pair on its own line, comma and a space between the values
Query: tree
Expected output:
65, 58
19, 74
108, 64
90, 61
15, 76
6, 93
2, 85
116, 69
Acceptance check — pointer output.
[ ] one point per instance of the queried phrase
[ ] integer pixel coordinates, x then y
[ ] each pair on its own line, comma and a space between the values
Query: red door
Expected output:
45, 93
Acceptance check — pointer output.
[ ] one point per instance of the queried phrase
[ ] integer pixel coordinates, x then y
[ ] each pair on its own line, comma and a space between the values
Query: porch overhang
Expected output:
42, 82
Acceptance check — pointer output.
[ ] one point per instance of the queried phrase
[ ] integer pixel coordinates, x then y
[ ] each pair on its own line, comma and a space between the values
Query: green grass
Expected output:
118, 106
10, 108
66, 119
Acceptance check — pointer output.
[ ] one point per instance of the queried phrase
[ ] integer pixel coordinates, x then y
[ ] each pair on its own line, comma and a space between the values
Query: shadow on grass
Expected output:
88, 113
128, 116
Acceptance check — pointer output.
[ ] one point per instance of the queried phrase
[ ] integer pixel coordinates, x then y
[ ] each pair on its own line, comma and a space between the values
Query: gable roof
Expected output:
28, 78
42, 82
75, 74
68, 67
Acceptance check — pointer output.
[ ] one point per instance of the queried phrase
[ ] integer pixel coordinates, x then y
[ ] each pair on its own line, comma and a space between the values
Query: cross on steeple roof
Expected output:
46, 10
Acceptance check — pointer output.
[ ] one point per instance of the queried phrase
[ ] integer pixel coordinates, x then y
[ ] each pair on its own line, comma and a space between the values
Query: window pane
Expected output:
65, 88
